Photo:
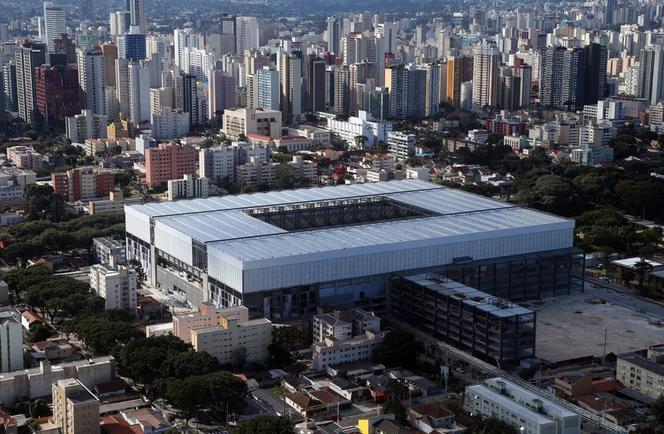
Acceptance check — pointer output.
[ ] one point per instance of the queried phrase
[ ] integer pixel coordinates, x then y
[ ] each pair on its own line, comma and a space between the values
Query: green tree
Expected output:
101, 336
43, 203
642, 268
398, 348
187, 395
266, 424
39, 408
397, 409
39, 332
279, 356
187, 364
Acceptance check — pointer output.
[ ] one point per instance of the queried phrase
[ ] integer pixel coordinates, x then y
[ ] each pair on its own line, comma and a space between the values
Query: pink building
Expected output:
169, 161
207, 316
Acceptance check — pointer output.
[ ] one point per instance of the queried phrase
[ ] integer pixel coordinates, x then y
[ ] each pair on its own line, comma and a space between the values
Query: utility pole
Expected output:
604, 356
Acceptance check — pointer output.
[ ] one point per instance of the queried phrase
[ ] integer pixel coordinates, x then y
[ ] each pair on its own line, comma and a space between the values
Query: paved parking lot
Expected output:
573, 326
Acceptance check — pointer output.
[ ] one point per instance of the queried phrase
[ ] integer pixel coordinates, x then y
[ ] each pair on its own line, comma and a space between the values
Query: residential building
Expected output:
75, 408
594, 149
188, 187
643, 371
235, 342
332, 352
55, 24
13, 182
29, 55
56, 94
86, 125
529, 412
11, 341
207, 315
268, 94
92, 80
169, 123
306, 280
169, 161
116, 284
242, 122
83, 183
36, 383
400, 145
363, 126
25, 157
109, 251
290, 76
221, 89
486, 62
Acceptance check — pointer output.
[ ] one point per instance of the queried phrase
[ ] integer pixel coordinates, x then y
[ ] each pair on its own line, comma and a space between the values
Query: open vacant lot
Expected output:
573, 326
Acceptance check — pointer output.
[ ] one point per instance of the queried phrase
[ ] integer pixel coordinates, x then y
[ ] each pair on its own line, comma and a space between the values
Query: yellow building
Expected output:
75, 408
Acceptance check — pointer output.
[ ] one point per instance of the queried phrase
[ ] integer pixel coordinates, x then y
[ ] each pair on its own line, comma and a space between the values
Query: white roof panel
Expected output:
385, 233
219, 203
220, 225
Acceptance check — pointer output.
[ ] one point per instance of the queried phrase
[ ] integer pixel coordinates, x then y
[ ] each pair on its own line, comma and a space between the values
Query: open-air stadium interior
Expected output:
283, 254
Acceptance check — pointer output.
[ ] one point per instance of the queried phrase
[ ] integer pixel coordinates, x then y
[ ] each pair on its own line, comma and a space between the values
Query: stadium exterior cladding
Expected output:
282, 254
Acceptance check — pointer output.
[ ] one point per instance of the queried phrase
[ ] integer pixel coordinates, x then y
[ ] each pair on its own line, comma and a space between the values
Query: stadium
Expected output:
283, 254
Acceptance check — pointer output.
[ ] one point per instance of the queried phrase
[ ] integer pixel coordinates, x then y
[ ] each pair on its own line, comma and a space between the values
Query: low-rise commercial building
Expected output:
244, 121
527, 411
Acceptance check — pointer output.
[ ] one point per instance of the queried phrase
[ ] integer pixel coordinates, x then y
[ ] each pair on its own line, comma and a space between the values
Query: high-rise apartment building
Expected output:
55, 23
92, 79
407, 87
486, 62
56, 94
651, 74
334, 29
29, 55
139, 93
247, 34
137, 15
268, 91
313, 84
562, 80
86, 125
290, 71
